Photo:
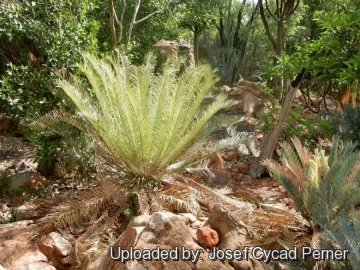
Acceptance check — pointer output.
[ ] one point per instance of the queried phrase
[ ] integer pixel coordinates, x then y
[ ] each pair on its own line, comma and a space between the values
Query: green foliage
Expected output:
144, 123
64, 147
130, 211
296, 125
25, 92
324, 188
9, 217
36, 39
47, 152
4, 181
350, 124
223, 60
16, 192
346, 124
197, 15
333, 59
228, 51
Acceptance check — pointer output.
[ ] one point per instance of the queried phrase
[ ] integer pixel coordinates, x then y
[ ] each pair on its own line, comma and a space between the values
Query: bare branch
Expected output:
290, 8
280, 9
154, 13
266, 25
134, 21
120, 23
268, 9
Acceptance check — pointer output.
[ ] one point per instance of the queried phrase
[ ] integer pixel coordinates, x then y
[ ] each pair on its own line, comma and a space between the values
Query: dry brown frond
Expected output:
81, 210
316, 240
144, 202
295, 173
304, 153
218, 162
288, 169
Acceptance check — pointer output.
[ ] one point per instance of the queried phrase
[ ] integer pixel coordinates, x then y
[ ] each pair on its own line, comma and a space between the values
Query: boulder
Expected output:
26, 175
34, 180
18, 251
165, 231
216, 178
232, 233
187, 218
56, 249
252, 100
61, 245
174, 48
25, 211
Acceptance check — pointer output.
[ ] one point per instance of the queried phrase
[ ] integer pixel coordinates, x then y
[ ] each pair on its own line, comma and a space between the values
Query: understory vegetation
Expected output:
81, 81
325, 189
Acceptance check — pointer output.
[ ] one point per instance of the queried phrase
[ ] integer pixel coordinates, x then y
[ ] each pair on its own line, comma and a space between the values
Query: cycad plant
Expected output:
144, 122
147, 126
324, 188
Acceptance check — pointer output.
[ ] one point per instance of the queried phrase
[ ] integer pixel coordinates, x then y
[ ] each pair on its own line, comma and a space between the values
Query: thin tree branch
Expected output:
154, 13
268, 9
280, 9
266, 25
134, 21
120, 23
289, 11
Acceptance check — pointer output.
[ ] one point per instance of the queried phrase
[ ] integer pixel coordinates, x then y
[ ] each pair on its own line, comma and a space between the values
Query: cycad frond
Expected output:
181, 201
145, 122
204, 149
304, 154
331, 191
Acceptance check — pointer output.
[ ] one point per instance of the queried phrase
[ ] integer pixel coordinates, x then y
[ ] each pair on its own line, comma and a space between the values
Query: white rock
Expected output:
62, 246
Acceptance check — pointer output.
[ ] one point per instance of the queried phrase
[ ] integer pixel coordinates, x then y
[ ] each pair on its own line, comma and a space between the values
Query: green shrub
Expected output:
53, 33
345, 124
296, 125
47, 152
64, 147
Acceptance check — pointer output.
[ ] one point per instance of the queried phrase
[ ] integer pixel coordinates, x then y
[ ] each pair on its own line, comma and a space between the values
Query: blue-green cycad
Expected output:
145, 122
324, 188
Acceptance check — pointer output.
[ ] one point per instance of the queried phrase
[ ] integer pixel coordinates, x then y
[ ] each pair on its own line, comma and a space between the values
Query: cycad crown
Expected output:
146, 122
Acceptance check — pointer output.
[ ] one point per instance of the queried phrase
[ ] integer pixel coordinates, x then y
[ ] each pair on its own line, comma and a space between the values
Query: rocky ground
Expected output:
21, 249
270, 215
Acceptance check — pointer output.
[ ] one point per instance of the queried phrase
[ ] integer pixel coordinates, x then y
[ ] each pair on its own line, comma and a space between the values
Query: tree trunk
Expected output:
268, 143
344, 97
278, 80
112, 23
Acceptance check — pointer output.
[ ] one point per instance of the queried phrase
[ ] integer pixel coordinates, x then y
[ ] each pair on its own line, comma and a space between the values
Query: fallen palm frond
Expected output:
82, 209
257, 220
